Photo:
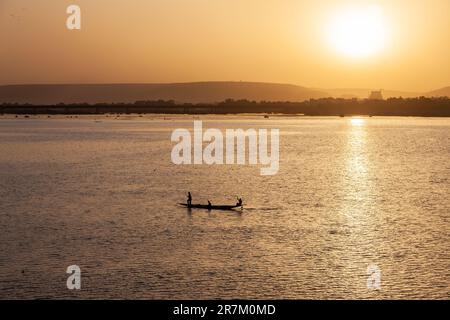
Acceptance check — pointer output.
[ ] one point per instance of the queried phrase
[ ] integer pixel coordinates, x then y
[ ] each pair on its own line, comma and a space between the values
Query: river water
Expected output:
102, 193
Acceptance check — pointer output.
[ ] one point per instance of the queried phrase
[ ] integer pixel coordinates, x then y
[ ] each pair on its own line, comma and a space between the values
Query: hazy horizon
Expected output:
220, 81
406, 47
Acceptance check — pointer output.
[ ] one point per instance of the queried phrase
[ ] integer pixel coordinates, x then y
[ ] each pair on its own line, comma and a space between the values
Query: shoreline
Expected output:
171, 116
414, 107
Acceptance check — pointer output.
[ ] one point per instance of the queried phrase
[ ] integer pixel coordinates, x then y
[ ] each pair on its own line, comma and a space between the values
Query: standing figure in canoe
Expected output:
239, 202
209, 205
189, 199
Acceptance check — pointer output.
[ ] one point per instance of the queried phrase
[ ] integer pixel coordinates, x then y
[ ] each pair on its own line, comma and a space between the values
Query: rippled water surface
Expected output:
102, 194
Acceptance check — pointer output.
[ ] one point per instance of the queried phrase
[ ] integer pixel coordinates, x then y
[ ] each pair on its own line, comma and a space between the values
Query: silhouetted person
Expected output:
189, 199
209, 204
239, 203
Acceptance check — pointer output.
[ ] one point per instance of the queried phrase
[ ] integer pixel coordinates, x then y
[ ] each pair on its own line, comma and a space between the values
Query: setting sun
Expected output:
358, 32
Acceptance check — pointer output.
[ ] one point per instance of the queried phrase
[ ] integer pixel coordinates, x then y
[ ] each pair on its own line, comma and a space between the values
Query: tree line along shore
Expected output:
421, 106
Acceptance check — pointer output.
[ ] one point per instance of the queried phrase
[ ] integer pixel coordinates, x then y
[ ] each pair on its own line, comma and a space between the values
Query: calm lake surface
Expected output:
102, 193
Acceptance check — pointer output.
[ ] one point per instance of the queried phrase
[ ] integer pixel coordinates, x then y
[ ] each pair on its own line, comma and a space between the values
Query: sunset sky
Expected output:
390, 44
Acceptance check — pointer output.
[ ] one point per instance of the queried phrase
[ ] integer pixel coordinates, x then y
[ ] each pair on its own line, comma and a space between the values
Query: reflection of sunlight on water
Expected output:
356, 185
357, 121
356, 162
357, 205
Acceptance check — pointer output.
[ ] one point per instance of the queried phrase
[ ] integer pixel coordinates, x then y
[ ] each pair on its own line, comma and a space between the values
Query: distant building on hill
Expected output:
376, 95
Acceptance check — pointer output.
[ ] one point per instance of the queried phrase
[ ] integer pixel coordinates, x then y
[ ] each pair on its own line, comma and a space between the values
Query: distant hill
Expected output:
194, 92
443, 92
191, 92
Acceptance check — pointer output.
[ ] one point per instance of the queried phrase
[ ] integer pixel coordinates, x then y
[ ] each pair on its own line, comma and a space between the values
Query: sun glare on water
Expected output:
358, 32
357, 122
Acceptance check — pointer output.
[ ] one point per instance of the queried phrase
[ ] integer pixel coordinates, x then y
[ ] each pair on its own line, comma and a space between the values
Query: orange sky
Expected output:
200, 40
